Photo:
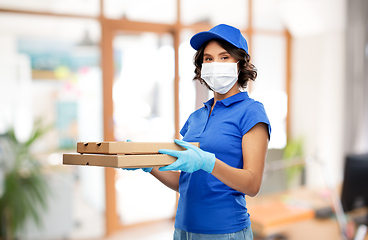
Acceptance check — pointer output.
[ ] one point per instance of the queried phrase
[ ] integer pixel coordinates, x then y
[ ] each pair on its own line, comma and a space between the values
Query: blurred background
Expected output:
112, 70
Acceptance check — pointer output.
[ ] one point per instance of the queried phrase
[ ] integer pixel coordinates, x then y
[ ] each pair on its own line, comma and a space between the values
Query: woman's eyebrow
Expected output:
223, 53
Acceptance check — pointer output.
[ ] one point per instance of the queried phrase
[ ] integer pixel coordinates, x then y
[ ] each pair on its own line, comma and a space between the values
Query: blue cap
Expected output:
223, 32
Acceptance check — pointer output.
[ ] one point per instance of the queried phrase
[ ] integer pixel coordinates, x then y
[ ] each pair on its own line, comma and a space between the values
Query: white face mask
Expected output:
220, 77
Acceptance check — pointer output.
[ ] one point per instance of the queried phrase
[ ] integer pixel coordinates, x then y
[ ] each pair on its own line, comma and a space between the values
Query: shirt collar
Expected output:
230, 100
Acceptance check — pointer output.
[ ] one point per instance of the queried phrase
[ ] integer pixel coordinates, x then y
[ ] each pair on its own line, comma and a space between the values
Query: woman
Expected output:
233, 131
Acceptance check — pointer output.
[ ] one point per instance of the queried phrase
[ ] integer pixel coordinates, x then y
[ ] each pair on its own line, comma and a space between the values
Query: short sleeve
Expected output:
254, 113
184, 129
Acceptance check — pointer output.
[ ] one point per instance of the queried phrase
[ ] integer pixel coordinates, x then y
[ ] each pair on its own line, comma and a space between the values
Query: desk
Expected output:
306, 227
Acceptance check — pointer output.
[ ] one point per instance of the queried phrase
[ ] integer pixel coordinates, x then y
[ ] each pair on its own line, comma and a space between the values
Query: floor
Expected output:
162, 230
89, 224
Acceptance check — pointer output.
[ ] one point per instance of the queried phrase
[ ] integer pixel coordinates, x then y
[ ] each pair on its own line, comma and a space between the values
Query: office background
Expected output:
118, 70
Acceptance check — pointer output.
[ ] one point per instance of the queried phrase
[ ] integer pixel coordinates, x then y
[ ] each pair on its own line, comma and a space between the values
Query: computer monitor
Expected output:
355, 184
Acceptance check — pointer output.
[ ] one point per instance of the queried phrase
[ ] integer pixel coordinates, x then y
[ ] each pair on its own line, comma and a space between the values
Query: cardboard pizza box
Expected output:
120, 147
118, 161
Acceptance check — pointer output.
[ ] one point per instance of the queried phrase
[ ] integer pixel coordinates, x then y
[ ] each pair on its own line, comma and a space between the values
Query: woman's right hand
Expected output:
148, 170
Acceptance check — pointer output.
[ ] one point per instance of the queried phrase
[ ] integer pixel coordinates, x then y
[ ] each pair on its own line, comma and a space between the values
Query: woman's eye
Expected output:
225, 57
207, 59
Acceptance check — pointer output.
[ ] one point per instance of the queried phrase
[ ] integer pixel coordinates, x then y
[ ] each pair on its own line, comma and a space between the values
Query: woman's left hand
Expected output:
190, 160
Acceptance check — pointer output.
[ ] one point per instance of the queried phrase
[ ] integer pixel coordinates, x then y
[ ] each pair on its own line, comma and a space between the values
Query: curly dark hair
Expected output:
247, 70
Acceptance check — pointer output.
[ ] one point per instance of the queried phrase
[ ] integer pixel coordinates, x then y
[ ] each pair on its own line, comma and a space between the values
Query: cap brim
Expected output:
197, 40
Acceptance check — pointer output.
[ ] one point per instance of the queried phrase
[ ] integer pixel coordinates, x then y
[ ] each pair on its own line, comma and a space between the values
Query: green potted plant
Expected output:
293, 158
24, 186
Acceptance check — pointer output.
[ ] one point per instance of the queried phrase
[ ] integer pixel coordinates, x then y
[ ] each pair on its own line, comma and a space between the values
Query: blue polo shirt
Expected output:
206, 205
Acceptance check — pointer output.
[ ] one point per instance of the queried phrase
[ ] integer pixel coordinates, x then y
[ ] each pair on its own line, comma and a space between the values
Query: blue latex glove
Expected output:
191, 160
148, 170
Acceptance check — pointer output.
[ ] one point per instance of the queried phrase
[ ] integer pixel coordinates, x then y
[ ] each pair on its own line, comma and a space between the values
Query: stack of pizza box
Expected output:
121, 154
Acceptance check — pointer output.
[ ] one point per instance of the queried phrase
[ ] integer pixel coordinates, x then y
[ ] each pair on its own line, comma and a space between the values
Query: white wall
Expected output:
318, 78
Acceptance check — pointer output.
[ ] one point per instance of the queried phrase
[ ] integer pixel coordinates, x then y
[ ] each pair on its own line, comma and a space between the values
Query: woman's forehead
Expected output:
214, 47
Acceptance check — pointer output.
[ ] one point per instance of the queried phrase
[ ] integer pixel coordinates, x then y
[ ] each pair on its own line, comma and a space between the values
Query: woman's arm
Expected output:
169, 178
247, 180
